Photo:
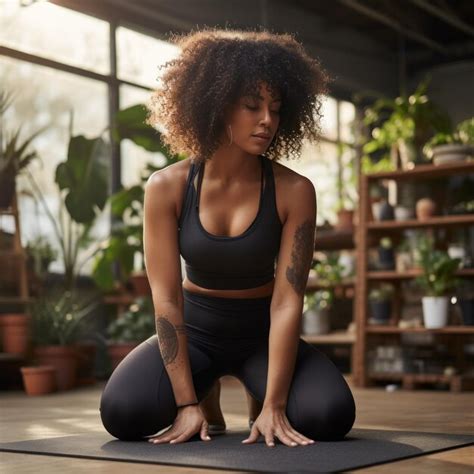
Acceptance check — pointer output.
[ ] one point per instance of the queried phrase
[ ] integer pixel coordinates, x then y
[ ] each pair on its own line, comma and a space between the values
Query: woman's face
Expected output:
251, 116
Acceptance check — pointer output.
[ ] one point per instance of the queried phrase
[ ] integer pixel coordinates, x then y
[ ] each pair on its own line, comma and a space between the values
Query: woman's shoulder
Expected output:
287, 178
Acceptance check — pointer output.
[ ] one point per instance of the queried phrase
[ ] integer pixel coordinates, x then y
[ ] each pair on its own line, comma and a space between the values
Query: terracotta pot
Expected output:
425, 208
15, 332
140, 283
64, 358
345, 219
39, 380
86, 352
118, 350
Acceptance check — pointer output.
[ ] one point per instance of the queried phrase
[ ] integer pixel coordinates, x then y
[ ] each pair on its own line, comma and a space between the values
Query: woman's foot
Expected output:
211, 409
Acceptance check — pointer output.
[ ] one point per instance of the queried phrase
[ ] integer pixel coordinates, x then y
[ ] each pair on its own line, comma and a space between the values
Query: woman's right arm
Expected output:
163, 267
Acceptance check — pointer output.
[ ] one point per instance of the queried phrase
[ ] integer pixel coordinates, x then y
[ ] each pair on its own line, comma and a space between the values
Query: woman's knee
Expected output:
328, 420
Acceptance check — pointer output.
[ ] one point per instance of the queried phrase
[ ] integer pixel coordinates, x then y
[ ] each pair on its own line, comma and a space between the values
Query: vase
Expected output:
64, 359
451, 153
380, 311
16, 332
316, 321
345, 218
425, 208
39, 380
402, 213
386, 211
85, 351
435, 311
467, 310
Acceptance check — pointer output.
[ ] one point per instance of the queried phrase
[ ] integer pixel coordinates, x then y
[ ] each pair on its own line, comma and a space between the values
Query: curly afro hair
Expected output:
215, 68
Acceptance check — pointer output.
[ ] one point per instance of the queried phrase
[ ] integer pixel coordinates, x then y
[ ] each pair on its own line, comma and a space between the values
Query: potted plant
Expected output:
401, 126
115, 261
15, 329
39, 380
437, 279
380, 300
386, 255
425, 208
130, 329
455, 146
14, 157
403, 256
40, 254
316, 310
59, 319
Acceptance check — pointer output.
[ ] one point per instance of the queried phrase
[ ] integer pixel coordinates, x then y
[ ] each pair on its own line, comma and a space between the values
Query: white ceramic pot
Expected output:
402, 213
376, 207
450, 153
316, 321
435, 311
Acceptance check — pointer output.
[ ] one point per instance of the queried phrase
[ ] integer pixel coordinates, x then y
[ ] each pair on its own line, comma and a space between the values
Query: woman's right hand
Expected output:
189, 421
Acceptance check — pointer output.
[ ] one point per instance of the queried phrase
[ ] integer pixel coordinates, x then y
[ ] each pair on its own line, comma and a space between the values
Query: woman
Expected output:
235, 102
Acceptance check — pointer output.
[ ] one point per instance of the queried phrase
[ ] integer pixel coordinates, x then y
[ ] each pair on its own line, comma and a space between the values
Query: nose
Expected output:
266, 118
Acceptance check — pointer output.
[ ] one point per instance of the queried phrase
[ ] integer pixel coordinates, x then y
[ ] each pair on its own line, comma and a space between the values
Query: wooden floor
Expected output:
76, 412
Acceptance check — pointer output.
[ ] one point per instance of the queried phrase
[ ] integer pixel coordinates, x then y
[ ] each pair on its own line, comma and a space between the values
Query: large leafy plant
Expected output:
61, 317
403, 124
134, 325
438, 269
82, 182
126, 238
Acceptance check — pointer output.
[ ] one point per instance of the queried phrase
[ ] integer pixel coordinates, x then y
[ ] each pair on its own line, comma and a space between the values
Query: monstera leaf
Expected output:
130, 123
85, 176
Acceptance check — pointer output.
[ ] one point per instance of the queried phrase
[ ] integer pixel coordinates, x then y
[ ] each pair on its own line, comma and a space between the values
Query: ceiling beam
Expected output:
381, 18
446, 17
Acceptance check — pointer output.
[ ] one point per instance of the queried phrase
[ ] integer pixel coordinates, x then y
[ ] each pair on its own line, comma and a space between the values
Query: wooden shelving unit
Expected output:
366, 230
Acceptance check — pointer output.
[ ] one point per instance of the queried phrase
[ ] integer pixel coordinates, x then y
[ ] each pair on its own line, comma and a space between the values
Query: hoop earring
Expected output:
231, 136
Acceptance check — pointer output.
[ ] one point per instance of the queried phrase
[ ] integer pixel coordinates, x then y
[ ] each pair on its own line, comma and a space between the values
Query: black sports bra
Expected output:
222, 262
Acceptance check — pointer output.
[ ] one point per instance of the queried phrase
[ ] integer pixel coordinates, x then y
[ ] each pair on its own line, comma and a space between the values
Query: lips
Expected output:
262, 136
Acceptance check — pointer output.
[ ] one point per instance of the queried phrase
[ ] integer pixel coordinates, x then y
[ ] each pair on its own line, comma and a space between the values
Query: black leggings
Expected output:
226, 336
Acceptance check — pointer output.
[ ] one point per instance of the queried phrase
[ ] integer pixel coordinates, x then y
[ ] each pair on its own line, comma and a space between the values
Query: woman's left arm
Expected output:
293, 265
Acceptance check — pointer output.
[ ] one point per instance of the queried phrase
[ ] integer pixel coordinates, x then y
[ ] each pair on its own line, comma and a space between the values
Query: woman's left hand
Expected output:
273, 422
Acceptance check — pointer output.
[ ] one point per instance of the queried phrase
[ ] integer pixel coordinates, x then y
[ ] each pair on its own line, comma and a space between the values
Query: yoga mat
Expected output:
360, 448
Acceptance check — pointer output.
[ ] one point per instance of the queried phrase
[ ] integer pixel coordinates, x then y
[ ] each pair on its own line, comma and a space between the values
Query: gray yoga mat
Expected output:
360, 448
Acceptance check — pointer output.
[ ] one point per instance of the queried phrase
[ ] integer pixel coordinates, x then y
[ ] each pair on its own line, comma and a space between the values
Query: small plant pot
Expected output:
39, 380
118, 350
15, 333
467, 310
86, 352
140, 284
435, 311
376, 207
345, 219
403, 213
450, 153
64, 359
381, 311
386, 258
425, 209
403, 261
316, 321
386, 211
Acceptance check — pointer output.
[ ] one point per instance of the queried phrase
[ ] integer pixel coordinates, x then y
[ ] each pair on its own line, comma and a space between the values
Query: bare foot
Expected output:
210, 405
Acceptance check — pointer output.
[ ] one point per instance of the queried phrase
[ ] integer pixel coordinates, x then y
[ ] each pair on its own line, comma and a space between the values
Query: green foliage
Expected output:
135, 324
386, 242
383, 293
126, 237
330, 271
318, 300
463, 135
14, 157
439, 269
61, 317
410, 120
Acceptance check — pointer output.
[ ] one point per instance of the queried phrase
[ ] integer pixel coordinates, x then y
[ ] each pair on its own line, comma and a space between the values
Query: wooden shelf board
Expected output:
332, 239
334, 337
436, 221
426, 171
444, 330
394, 275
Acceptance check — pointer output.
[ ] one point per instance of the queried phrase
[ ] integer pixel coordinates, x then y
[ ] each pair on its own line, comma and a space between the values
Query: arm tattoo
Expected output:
301, 256
167, 338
